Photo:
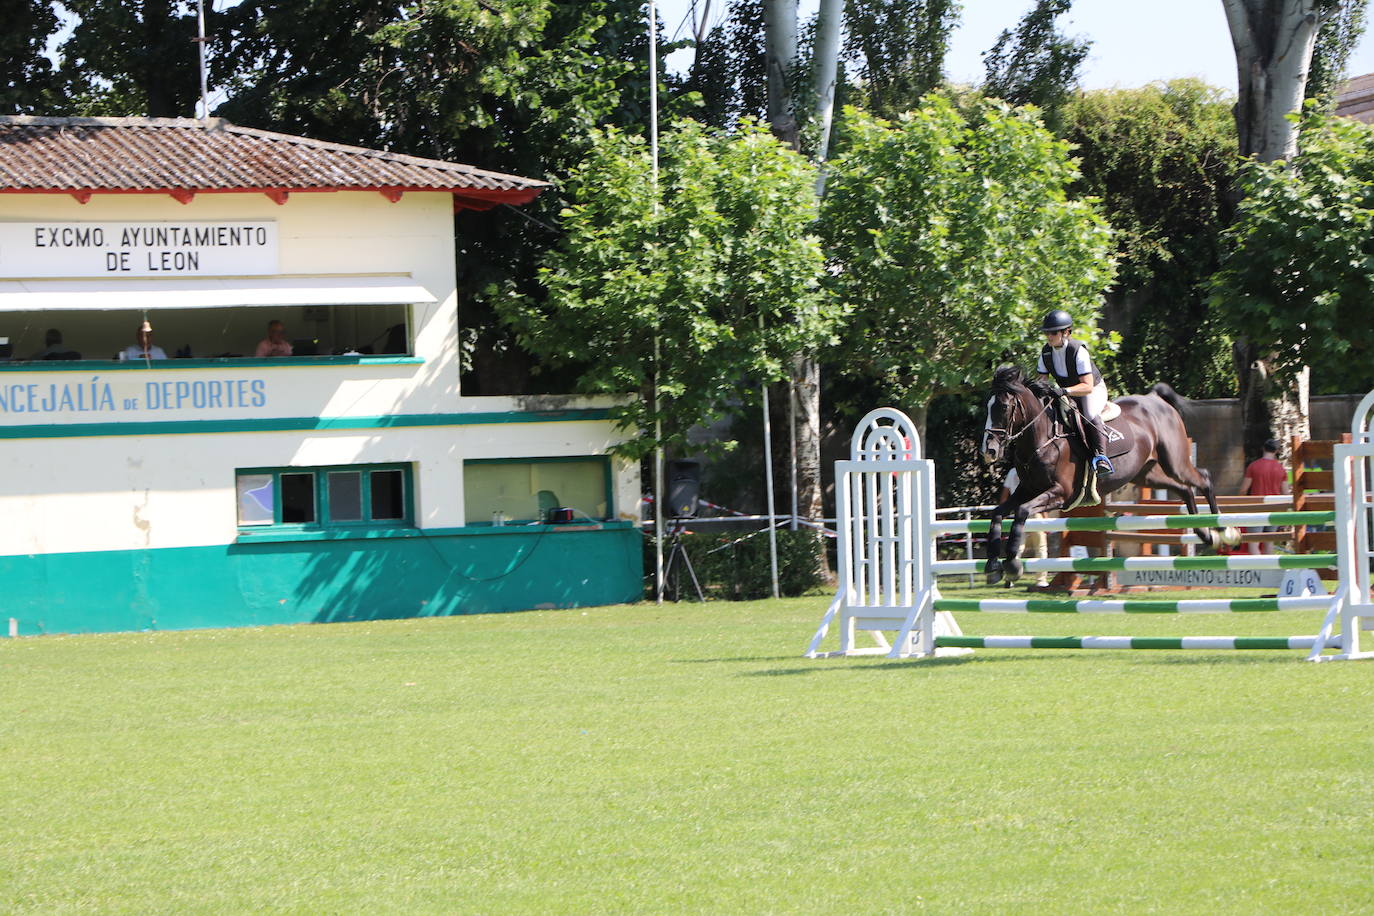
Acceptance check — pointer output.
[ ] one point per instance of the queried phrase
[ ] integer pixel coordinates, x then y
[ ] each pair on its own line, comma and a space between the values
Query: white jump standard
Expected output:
885, 506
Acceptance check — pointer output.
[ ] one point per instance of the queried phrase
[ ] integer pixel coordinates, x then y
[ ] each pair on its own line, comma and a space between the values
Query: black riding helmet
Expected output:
1057, 320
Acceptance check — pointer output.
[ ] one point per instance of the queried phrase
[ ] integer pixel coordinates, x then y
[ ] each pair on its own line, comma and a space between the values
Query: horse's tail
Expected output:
1175, 400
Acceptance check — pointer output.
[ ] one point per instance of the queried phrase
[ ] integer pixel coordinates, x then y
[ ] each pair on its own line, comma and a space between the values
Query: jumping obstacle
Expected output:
887, 566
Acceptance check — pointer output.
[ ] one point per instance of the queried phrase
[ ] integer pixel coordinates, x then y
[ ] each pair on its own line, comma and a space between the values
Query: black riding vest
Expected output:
1070, 360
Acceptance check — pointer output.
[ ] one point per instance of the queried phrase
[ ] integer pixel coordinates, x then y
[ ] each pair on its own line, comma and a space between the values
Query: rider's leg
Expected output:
1091, 406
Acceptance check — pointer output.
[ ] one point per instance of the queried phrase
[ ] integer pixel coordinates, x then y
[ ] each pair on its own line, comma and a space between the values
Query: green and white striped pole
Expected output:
1133, 642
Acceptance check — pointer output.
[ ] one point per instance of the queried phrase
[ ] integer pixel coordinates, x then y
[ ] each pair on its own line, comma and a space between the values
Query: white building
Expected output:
349, 480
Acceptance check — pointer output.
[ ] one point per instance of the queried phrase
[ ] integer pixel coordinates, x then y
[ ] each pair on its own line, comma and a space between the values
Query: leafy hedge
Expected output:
732, 569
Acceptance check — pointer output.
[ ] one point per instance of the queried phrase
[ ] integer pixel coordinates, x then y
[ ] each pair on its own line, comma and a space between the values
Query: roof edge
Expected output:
220, 124
49, 121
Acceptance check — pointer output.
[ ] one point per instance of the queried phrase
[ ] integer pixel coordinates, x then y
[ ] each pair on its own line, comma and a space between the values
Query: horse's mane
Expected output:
1007, 379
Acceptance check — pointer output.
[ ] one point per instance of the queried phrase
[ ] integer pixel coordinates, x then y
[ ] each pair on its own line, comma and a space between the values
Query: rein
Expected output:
1012, 437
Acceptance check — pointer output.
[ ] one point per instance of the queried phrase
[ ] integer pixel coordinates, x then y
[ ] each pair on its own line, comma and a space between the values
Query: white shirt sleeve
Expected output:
1040, 364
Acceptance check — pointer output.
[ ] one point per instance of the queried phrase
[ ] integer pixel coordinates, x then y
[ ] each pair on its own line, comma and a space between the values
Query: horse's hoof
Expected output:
994, 572
1014, 569
1230, 536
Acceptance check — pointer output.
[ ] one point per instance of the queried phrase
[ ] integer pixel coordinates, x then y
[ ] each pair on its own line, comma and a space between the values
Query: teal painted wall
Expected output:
252, 584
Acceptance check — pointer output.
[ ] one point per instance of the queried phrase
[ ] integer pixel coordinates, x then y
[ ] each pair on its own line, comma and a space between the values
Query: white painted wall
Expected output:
124, 493
71, 494
325, 234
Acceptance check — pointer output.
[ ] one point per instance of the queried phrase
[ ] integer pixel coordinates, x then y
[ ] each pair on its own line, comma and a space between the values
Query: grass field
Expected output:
679, 759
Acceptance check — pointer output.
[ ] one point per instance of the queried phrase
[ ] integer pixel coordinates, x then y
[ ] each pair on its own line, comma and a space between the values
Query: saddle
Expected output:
1071, 420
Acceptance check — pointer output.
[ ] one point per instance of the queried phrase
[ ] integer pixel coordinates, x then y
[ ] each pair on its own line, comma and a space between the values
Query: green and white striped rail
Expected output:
1133, 642
1119, 564
1132, 606
1146, 522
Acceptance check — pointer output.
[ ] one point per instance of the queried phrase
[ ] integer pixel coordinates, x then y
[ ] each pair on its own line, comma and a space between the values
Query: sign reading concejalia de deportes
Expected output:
123, 395
160, 249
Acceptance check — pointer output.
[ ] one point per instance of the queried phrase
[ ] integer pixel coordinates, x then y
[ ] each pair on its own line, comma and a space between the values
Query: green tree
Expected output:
1298, 275
1162, 161
1274, 42
897, 50
1336, 41
1036, 64
950, 235
130, 58
728, 69
514, 87
28, 86
692, 299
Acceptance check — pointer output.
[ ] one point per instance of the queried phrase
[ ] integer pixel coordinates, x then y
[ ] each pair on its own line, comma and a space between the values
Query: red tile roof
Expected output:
1355, 98
84, 156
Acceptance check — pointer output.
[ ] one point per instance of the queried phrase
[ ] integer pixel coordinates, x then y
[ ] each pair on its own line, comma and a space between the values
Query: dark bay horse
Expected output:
1052, 465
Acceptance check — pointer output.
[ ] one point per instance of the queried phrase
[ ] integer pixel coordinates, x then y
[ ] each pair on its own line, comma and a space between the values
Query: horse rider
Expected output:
1074, 374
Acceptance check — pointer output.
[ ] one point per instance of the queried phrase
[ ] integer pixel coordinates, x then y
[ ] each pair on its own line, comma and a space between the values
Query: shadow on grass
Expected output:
1075, 656
820, 664
738, 658
1242, 657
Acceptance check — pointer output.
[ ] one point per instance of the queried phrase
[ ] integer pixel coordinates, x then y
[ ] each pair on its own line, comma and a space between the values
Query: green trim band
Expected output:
226, 362
299, 424
277, 535
1141, 606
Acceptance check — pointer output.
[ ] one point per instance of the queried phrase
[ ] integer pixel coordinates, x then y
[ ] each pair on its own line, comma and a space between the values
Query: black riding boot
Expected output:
1096, 438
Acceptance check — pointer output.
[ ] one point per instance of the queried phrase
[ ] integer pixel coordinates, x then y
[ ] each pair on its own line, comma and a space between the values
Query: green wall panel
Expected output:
320, 581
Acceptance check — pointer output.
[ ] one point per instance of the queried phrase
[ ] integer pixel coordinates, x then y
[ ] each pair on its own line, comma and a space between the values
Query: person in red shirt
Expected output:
1265, 476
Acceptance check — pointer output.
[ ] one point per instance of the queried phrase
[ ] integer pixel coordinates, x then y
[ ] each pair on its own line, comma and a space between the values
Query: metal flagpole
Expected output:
658, 421
200, 40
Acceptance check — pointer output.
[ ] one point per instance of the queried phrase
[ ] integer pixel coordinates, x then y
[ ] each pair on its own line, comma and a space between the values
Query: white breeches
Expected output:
1095, 401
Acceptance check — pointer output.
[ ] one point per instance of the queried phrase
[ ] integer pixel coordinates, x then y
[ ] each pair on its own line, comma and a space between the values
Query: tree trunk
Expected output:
780, 41
1273, 40
807, 369
158, 34
826, 69
806, 387
1269, 409
919, 412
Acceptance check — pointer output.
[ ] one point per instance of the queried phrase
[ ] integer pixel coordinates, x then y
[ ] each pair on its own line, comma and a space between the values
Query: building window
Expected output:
211, 333
519, 490
331, 497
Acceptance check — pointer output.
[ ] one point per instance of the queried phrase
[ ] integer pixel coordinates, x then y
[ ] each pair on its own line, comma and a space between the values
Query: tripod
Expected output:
677, 559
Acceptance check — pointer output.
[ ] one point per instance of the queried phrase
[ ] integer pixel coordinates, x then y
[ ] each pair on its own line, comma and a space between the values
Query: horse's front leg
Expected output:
1051, 497
994, 550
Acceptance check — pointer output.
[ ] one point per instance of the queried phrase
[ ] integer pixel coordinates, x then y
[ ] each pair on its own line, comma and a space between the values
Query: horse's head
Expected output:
1012, 405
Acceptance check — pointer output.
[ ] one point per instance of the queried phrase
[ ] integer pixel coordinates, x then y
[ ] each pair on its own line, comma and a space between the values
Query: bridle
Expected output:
1009, 437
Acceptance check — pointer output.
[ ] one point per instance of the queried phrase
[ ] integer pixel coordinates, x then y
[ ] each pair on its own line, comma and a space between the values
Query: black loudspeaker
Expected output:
684, 488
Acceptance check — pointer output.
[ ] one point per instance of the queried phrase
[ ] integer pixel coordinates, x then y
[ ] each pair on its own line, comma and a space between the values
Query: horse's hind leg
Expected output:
1185, 486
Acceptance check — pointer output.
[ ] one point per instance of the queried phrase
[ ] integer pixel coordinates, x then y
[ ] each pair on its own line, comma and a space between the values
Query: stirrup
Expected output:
1103, 465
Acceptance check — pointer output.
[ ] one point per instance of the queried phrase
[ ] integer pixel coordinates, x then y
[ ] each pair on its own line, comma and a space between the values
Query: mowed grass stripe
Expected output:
675, 759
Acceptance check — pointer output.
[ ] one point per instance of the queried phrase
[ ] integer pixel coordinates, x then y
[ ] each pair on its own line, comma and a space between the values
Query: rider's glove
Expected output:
1056, 390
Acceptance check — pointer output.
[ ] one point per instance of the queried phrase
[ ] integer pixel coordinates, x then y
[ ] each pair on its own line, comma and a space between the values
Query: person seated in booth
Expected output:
275, 343
54, 348
145, 348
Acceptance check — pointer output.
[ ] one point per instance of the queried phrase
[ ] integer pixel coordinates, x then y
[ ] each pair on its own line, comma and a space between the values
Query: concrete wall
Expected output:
1215, 427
